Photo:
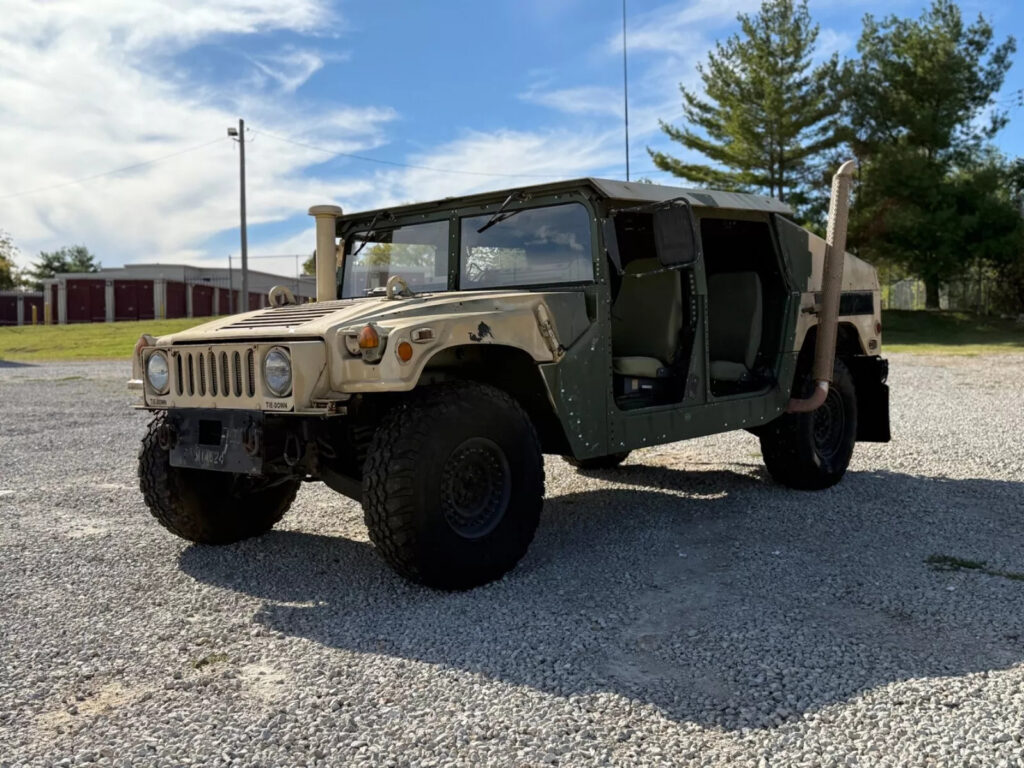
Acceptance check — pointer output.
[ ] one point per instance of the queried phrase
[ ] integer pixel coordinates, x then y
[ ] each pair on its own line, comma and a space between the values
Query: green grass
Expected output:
87, 341
950, 333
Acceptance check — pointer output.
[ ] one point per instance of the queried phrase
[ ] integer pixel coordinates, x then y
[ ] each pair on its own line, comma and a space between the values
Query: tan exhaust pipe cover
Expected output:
831, 291
326, 251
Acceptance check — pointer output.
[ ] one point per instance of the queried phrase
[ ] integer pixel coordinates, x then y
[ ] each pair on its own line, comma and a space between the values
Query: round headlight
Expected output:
277, 372
157, 372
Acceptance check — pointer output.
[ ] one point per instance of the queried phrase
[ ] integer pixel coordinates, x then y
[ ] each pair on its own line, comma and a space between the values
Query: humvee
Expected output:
455, 342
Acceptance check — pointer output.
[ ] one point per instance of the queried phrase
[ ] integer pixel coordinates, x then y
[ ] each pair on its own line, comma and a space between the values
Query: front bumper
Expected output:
219, 440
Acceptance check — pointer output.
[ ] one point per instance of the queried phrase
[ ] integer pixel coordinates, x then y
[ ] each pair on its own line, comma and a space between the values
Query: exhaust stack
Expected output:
326, 251
831, 290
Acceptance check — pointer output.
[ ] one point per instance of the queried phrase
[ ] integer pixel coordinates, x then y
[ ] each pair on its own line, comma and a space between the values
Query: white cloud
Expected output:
84, 92
583, 100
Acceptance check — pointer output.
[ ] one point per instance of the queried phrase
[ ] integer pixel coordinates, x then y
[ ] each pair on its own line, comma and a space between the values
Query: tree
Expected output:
75, 258
768, 114
917, 98
309, 265
8, 269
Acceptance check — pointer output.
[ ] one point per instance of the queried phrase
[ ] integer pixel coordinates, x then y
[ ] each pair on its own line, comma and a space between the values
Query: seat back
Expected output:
734, 317
647, 317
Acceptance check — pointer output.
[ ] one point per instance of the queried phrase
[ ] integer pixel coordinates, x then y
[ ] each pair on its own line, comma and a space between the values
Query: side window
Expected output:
527, 246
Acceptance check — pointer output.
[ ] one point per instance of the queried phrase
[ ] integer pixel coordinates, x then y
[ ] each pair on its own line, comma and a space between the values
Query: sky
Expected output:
113, 114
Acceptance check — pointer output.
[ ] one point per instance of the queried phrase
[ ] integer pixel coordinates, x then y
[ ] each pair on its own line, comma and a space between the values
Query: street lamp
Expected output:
238, 134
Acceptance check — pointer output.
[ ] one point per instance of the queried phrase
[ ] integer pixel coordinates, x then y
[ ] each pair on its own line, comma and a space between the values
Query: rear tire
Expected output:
610, 461
811, 451
453, 485
204, 506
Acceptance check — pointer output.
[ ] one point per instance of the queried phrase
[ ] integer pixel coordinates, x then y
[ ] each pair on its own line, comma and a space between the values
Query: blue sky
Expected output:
503, 93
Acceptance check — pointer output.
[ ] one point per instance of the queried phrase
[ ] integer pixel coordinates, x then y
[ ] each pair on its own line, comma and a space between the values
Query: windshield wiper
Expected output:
501, 214
370, 232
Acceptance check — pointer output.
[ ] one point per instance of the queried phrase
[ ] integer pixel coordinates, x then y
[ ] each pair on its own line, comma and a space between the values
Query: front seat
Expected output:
734, 324
647, 319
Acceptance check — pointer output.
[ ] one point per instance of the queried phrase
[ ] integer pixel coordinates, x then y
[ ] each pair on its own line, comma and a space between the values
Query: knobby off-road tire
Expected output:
610, 461
811, 451
453, 485
208, 507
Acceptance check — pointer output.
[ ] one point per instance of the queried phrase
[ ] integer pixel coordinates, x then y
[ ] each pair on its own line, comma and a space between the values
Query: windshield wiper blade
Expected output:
370, 230
500, 215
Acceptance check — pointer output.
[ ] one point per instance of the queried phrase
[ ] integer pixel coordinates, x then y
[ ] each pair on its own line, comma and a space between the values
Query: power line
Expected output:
396, 164
109, 173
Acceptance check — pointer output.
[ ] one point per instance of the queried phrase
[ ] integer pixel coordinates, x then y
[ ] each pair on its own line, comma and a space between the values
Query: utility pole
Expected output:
239, 135
231, 288
625, 86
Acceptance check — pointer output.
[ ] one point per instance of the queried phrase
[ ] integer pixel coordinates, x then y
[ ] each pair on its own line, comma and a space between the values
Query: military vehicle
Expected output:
455, 342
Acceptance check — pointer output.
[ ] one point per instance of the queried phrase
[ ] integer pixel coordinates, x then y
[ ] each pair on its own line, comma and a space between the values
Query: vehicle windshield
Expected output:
526, 247
417, 252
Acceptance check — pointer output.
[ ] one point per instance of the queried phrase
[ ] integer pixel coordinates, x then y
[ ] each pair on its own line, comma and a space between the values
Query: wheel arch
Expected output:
510, 369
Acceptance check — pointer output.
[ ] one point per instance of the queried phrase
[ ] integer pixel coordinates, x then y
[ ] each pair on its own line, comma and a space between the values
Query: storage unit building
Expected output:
157, 291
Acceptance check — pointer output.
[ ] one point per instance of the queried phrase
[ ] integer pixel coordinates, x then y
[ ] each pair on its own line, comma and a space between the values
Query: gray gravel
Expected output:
681, 610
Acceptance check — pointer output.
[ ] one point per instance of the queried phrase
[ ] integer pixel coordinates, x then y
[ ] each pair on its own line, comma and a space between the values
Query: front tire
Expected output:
811, 451
204, 506
453, 485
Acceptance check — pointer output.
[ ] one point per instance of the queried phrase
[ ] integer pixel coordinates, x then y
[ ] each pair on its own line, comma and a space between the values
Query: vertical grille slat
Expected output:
225, 376
213, 373
179, 383
237, 365
202, 374
191, 376
251, 360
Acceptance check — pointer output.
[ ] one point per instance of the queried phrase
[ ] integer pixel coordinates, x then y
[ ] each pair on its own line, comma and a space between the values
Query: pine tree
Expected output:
767, 114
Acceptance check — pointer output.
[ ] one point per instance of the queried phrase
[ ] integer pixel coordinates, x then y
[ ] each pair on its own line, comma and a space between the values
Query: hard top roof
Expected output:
624, 192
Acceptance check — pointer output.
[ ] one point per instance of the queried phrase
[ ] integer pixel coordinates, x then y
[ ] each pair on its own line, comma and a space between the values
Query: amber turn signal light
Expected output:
369, 338
404, 351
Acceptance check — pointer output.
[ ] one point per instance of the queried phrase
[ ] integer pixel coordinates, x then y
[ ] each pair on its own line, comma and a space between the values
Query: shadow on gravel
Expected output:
13, 364
714, 596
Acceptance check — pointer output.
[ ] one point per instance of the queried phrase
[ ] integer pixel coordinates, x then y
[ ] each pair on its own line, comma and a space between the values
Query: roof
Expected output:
629, 192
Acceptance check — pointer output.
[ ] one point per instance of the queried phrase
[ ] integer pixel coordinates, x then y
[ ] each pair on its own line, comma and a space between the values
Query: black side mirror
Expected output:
674, 239
611, 242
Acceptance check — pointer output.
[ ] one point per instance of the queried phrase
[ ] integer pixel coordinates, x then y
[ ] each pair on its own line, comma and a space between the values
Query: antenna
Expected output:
625, 86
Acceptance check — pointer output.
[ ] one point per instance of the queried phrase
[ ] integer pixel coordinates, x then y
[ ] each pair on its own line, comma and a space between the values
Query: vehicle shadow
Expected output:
719, 598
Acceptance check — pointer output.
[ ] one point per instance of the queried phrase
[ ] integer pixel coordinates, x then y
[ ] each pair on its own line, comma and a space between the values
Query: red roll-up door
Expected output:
202, 301
80, 295
175, 300
126, 300
98, 300
254, 301
8, 310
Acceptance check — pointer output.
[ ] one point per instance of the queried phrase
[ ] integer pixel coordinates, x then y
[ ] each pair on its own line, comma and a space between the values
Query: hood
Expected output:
318, 319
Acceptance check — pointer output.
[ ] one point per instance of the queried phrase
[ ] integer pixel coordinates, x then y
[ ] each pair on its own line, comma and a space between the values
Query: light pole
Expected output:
238, 134
625, 86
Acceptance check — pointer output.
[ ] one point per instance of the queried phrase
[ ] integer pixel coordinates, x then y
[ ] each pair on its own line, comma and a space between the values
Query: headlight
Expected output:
277, 372
157, 372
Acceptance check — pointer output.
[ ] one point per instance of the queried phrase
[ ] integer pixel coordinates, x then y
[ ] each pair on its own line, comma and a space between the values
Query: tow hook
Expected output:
166, 437
252, 440
292, 450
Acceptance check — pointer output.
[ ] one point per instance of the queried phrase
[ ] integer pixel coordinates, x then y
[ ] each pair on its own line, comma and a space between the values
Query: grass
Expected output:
87, 341
945, 332
958, 333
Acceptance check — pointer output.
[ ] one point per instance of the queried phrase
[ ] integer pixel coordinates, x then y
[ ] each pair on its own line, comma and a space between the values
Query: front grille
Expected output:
224, 377
287, 317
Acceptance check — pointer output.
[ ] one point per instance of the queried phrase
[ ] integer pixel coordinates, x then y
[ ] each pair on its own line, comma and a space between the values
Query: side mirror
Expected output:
675, 241
611, 242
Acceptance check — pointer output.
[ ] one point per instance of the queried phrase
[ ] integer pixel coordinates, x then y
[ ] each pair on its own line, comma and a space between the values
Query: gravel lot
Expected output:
681, 610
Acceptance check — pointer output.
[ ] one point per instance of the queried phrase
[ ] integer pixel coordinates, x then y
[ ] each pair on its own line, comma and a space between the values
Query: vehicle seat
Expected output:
734, 324
647, 319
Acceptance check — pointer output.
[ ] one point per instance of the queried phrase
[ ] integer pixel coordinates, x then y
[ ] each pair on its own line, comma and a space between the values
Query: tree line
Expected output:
73, 258
916, 108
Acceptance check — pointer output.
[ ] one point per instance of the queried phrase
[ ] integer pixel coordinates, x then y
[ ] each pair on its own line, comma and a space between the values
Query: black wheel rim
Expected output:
475, 487
829, 425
